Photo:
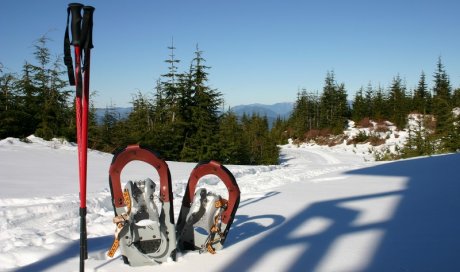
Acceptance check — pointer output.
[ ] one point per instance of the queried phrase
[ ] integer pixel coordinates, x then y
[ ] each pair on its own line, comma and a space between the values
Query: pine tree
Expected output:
50, 97
328, 102
441, 100
299, 119
451, 142
422, 97
262, 147
12, 116
420, 139
94, 131
333, 105
456, 98
106, 135
369, 102
140, 121
279, 131
398, 103
171, 92
359, 110
342, 109
305, 115
379, 104
201, 141
171, 111
233, 148
7, 91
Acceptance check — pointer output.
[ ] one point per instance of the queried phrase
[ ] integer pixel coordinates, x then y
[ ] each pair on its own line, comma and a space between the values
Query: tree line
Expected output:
184, 118
35, 101
438, 126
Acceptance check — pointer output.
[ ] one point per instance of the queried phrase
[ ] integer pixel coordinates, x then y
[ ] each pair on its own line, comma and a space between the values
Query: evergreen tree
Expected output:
451, 142
368, 101
12, 115
359, 106
262, 147
299, 119
441, 100
456, 98
422, 97
333, 105
279, 131
171, 92
379, 104
139, 121
420, 139
50, 97
343, 111
171, 111
201, 143
27, 104
106, 135
398, 103
7, 90
305, 115
94, 131
233, 147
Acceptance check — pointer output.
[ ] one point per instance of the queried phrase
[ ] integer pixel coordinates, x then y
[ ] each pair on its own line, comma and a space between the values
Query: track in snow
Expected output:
35, 227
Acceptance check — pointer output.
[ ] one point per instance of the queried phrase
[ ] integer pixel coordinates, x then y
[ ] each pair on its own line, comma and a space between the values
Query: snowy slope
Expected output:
321, 209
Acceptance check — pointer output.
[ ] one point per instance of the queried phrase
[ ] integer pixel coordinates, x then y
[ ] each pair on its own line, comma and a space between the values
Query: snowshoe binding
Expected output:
144, 235
205, 217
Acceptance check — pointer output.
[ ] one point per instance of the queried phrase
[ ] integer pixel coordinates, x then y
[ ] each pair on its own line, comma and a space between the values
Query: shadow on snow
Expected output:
245, 226
422, 235
72, 250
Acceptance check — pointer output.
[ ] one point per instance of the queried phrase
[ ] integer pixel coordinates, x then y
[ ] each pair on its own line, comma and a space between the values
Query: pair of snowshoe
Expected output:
147, 236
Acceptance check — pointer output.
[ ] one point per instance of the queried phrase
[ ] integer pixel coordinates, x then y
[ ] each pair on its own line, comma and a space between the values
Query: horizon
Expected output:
259, 52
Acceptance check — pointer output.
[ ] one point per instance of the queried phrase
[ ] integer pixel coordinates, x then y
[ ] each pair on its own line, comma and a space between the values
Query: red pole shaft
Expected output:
82, 140
79, 121
84, 132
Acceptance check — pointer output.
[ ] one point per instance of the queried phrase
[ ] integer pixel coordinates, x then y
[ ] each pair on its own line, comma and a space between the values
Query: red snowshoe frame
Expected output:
189, 237
132, 255
132, 153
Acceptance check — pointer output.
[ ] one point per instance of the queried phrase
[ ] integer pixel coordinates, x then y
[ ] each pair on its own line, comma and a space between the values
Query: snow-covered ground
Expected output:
321, 209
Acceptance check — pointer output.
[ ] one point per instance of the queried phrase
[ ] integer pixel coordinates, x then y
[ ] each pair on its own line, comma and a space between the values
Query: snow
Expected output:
322, 209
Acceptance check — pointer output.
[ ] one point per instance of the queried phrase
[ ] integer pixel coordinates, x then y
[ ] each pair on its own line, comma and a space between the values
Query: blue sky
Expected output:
258, 51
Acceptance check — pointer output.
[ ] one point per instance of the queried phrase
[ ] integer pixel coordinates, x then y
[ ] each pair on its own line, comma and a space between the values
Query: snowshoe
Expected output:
144, 235
205, 217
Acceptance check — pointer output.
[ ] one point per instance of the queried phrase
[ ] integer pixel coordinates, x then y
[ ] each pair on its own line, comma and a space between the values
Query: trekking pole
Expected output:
82, 42
86, 42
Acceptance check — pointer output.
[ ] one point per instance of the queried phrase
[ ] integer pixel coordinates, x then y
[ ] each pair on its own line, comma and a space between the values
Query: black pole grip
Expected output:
75, 9
87, 27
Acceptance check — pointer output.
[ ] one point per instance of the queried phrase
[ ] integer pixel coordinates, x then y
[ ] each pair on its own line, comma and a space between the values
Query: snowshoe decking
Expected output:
205, 218
144, 235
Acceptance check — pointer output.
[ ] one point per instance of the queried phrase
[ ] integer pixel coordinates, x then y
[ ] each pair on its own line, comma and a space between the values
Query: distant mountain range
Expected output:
272, 112
120, 112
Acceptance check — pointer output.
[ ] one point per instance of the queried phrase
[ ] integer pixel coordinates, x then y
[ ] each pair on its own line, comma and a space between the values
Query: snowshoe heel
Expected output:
204, 223
144, 235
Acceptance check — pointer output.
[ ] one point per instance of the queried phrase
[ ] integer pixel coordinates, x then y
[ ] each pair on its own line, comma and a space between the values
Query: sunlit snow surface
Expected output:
320, 209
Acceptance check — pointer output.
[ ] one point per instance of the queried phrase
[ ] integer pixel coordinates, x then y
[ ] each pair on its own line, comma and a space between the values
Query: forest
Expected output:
184, 118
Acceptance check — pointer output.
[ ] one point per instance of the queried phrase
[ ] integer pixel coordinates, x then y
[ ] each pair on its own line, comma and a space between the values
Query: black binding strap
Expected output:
67, 53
